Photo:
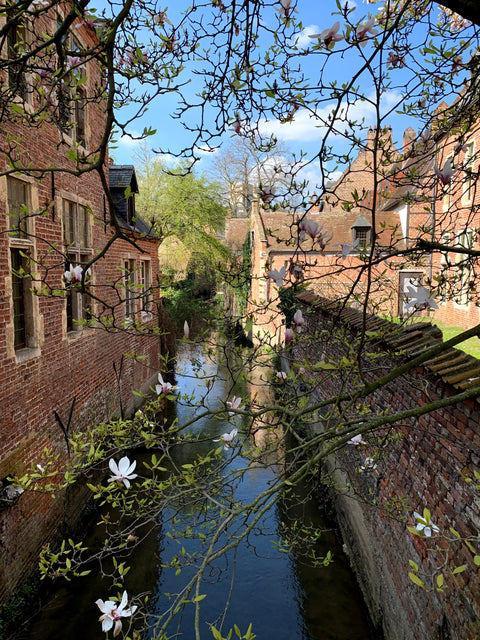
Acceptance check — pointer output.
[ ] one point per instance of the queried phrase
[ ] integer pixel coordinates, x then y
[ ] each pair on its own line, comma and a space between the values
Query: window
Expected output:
72, 97
77, 239
17, 46
469, 177
146, 284
444, 267
465, 239
19, 205
22, 299
129, 284
362, 235
131, 216
448, 189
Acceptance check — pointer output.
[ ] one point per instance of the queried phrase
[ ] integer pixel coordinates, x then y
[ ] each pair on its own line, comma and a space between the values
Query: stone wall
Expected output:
419, 462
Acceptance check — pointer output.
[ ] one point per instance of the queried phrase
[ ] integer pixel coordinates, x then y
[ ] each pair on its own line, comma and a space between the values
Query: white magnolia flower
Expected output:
368, 465
163, 387
123, 472
186, 330
112, 614
424, 523
298, 320
281, 375
356, 440
285, 8
420, 298
227, 438
278, 276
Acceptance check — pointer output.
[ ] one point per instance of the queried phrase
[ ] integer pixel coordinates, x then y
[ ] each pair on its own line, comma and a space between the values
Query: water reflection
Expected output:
279, 593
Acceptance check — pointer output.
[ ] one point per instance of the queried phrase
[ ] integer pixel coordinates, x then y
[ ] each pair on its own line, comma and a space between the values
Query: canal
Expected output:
263, 583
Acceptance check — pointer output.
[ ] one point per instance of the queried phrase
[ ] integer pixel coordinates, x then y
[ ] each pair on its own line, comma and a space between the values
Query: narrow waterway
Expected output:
282, 595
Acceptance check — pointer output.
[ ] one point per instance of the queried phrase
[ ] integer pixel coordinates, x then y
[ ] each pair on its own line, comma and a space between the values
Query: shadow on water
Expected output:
279, 593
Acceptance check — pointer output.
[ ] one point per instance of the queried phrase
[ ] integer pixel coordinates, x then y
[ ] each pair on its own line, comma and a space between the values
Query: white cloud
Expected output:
303, 41
311, 126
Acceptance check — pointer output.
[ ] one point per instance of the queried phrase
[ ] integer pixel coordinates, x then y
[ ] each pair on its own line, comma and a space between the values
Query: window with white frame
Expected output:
468, 167
129, 288
146, 286
465, 239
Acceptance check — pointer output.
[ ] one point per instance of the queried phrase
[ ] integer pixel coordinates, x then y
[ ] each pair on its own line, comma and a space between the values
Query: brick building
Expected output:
63, 336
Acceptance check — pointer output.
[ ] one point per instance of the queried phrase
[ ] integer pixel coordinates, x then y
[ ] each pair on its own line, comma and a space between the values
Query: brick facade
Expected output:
52, 359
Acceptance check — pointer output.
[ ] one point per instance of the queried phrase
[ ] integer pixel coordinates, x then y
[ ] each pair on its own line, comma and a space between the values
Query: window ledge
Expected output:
28, 353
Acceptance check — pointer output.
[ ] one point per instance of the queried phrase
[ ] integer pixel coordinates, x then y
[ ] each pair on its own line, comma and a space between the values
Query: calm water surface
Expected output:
280, 594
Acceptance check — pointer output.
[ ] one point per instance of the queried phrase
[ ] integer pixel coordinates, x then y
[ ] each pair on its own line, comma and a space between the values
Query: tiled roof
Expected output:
122, 176
454, 366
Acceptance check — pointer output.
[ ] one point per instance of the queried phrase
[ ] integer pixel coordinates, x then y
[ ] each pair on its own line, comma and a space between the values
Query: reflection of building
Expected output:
64, 344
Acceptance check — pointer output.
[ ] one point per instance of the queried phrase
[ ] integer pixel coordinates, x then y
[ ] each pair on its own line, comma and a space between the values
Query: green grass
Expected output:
470, 346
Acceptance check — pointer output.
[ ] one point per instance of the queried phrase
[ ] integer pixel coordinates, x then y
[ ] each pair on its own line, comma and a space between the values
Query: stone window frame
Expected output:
78, 250
22, 247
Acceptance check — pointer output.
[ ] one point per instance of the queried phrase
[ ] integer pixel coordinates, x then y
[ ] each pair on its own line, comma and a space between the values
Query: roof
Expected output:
121, 177
453, 366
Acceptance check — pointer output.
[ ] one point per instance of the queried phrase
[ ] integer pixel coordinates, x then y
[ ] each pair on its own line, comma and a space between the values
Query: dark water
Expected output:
279, 593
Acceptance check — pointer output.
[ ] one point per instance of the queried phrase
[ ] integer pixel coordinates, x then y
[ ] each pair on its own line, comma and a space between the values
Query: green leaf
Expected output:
414, 565
476, 560
459, 569
440, 580
416, 580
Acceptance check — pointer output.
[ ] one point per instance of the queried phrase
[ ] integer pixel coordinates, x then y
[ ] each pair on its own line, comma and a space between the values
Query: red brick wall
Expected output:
420, 464
36, 382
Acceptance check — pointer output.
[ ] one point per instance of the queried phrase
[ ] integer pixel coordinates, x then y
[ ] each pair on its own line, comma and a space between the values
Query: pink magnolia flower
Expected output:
364, 29
75, 274
329, 36
445, 175
288, 335
299, 320
347, 248
281, 375
164, 387
112, 614
396, 60
308, 228
234, 403
161, 18
227, 438
278, 276
285, 8
73, 61
123, 471
186, 330
237, 125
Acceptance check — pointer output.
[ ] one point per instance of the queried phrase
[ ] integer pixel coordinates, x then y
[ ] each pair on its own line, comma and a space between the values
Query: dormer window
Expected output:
361, 232
131, 210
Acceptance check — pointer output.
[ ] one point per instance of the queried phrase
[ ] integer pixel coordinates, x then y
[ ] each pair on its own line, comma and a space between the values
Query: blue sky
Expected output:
303, 133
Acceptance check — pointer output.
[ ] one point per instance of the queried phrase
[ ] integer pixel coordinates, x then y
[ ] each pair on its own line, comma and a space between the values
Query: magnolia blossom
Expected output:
112, 614
163, 387
285, 8
161, 18
445, 175
281, 375
368, 465
347, 248
299, 320
424, 524
288, 335
40, 468
186, 330
123, 471
234, 403
227, 438
329, 36
278, 276
395, 59
420, 298
309, 228
364, 29
356, 440
237, 125
75, 274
